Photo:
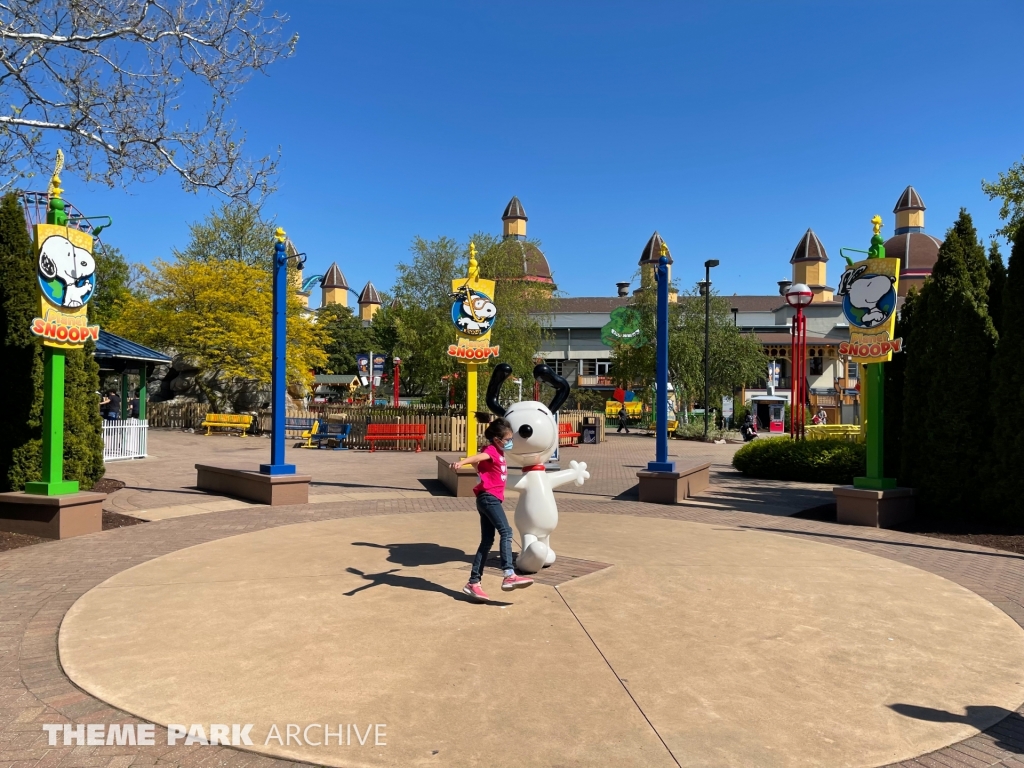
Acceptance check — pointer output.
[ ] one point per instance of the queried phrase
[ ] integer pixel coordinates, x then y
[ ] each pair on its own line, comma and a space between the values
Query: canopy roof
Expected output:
118, 351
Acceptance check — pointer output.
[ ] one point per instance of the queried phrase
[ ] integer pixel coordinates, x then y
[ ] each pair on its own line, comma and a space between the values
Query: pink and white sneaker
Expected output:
476, 592
515, 582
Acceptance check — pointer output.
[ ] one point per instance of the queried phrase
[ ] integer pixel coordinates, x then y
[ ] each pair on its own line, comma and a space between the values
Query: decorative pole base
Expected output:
277, 469
62, 488
661, 466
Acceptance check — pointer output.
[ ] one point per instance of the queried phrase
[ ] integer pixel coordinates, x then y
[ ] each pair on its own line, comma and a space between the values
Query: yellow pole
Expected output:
471, 402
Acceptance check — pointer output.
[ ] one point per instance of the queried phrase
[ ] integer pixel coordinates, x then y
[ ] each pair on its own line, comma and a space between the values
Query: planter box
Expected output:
674, 487
877, 509
275, 490
458, 482
52, 517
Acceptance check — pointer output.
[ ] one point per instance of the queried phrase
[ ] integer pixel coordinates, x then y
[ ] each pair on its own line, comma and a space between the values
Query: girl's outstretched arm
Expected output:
470, 460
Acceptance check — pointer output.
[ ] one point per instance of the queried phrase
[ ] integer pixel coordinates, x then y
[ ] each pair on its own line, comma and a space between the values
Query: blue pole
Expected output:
277, 465
661, 462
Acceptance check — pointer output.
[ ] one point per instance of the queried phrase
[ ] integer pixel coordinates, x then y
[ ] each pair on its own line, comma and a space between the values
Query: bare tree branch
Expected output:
107, 79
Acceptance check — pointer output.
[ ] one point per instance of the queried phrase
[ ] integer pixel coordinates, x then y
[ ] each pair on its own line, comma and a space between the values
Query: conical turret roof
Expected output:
809, 249
652, 251
334, 278
909, 201
369, 295
514, 210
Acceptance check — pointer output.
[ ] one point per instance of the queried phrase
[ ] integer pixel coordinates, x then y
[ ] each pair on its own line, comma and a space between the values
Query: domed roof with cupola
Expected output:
809, 249
916, 250
535, 263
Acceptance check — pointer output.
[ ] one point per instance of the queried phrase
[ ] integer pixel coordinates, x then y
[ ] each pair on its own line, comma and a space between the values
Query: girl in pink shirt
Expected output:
490, 493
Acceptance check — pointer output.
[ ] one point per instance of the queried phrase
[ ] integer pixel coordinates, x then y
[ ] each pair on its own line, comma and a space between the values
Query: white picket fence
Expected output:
124, 439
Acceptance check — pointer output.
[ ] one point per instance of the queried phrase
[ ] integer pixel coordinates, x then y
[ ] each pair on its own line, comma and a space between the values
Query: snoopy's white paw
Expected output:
581, 471
73, 303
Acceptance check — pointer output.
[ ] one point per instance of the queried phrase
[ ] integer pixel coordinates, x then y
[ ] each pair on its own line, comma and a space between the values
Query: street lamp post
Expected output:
798, 296
708, 265
398, 363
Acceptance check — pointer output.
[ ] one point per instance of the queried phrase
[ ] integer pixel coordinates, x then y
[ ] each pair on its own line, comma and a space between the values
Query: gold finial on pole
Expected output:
279, 234
55, 190
474, 266
664, 248
877, 223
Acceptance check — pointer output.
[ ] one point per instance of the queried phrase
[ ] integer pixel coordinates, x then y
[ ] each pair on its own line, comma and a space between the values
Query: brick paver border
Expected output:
39, 584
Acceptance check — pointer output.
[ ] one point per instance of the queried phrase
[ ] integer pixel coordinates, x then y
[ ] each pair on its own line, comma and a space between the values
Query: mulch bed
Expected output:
111, 520
1009, 538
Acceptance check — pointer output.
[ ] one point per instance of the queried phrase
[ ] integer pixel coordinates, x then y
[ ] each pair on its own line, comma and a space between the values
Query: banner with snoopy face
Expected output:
473, 314
868, 290
66, 271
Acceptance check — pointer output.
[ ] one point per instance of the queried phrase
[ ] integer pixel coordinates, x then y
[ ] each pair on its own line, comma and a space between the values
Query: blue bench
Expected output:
302, 428
332, 436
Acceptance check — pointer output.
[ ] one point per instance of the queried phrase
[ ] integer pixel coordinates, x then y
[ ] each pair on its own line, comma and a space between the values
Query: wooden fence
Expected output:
446, 430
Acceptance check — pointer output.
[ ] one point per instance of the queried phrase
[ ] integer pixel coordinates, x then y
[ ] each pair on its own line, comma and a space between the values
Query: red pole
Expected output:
794, 356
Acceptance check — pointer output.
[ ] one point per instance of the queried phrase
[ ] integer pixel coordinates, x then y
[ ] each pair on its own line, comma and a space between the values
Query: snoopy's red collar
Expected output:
534, 468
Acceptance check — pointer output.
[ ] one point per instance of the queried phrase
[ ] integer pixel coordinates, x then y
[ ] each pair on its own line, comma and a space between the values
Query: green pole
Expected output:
124, 395
53, 483
143, 376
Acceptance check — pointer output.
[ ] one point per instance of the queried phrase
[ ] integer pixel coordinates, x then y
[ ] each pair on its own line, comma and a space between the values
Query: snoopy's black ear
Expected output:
501, 372
544, 373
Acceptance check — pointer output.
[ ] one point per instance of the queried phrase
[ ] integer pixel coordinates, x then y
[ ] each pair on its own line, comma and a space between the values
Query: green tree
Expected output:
216, 315
1010, 188
949, 356
996, 285
1008, 395
22, 388
735, 359
346, 337
234, 232
113, 280
899, 436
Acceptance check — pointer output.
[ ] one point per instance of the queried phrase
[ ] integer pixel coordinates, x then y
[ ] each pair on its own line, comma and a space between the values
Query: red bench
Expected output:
396, 432
565, 432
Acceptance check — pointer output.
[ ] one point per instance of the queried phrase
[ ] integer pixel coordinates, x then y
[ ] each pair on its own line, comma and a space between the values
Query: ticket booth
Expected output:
770, 412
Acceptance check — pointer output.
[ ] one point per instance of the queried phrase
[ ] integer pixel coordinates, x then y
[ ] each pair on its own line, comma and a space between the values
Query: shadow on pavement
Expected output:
419, 553
392, 579
911, 544
1004, 726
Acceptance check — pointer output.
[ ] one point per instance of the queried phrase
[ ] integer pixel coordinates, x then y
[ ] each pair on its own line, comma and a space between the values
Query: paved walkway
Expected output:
38, 586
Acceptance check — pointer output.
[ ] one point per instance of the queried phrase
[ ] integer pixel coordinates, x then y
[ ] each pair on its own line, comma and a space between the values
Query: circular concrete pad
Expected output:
726, 647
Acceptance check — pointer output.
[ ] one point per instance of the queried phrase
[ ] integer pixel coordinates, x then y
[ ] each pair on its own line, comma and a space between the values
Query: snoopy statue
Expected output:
534, 440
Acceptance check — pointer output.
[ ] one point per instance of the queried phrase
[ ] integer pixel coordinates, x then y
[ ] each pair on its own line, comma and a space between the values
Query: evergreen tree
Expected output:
1008, 395
896, 440
949, 356
22, 387
996, 286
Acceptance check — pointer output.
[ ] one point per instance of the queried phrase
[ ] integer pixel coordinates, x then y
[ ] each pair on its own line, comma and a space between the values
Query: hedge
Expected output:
809, 461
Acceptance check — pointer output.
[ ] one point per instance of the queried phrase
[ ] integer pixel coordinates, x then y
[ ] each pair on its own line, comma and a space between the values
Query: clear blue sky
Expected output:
729, 127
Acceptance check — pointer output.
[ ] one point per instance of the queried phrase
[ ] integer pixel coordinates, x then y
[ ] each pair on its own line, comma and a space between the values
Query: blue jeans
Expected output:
492, 518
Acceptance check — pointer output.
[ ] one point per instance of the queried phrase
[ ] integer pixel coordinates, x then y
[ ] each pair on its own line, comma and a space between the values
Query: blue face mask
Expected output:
508, 444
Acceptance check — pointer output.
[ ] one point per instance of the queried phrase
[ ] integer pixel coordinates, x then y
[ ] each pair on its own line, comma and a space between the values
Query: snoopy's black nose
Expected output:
525, 431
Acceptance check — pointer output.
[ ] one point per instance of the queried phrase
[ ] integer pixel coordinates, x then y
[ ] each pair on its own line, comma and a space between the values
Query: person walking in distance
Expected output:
490, 493
623, 419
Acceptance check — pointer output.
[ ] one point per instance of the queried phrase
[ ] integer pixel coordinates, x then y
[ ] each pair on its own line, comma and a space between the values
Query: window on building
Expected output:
816, 366
603, 367
588, 367
852, 371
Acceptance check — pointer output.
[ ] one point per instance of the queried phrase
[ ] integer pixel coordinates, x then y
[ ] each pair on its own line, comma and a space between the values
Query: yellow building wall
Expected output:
910, 219
335, 296
515, 227
367, 311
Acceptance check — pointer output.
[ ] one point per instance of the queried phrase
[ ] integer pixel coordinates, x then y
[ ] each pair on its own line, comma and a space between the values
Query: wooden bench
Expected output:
239, 421
566, 432
302, 428
333, 436
396, 432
